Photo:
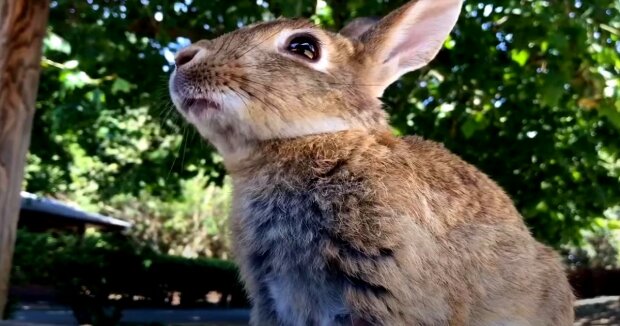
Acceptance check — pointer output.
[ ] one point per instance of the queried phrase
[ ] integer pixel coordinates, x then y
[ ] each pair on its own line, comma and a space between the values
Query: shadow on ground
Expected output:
598, 311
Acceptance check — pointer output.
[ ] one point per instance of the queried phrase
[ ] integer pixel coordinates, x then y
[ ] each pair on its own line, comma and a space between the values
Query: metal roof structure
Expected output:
50, 207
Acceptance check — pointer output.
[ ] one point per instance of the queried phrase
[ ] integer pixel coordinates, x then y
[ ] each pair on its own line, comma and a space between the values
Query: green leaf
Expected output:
469, 127
612, 113
121, 85
552, 90
519, 56
449, 43
75, 79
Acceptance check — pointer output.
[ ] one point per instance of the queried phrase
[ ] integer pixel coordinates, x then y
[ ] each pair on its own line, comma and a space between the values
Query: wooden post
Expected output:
22, 28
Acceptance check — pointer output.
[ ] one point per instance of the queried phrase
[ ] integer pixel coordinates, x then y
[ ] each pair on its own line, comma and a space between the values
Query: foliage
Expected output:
601, 246
100, 275
194, 224
526, 90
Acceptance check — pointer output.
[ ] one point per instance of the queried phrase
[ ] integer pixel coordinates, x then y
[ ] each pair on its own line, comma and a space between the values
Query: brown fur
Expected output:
438, 234
336, 221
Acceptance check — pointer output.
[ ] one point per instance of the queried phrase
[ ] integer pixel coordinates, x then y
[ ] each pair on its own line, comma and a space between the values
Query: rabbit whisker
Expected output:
244, 81
250, 81
237, 56
221, 46
256, 91
242, 98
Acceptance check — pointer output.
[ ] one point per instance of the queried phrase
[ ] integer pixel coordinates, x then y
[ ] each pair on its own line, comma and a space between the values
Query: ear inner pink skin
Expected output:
410, 37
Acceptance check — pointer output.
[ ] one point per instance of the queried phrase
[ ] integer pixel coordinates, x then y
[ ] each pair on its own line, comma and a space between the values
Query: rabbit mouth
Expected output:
197, 106
203, 107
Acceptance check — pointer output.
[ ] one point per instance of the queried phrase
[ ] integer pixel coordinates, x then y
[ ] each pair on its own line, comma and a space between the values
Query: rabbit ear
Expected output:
358, 26
408, 38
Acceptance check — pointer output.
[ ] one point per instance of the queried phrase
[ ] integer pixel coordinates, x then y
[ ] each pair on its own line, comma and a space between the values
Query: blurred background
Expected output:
528, 91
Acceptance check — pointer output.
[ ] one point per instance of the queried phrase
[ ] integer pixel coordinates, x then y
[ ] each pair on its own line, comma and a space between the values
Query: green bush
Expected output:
100, 275
192, 225
528, 91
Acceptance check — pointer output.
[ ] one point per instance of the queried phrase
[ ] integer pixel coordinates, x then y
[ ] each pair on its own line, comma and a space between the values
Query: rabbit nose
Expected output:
185, 56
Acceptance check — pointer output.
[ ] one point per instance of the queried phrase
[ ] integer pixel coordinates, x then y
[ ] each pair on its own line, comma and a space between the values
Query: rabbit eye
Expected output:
306, 46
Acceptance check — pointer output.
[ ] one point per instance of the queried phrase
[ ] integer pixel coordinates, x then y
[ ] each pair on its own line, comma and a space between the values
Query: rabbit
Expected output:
336, 221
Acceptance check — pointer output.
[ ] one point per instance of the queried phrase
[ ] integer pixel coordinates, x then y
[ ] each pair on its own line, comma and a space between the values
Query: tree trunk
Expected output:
22, 28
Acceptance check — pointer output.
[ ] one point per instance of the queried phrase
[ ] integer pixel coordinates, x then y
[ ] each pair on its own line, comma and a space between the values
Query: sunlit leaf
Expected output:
519, 56
54, 42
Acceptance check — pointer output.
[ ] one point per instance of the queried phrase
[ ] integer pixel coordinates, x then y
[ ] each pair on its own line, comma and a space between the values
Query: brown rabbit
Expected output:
335, 220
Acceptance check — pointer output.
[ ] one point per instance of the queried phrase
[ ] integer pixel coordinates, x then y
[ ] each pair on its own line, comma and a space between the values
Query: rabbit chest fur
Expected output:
288, 230
349, 229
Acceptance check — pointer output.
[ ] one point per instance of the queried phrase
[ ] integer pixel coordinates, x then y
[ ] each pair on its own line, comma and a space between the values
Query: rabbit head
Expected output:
290, 78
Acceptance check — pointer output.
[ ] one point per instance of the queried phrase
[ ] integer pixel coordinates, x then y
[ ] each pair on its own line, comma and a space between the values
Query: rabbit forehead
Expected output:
260, 33
272, 36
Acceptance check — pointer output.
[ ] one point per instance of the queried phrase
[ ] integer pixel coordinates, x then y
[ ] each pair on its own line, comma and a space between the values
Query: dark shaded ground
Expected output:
597, 311
59, 315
